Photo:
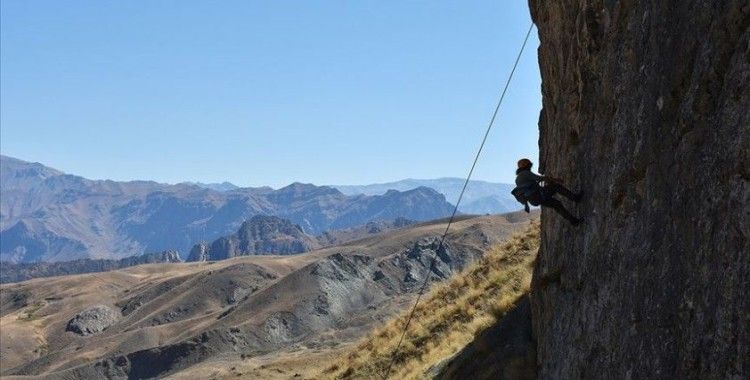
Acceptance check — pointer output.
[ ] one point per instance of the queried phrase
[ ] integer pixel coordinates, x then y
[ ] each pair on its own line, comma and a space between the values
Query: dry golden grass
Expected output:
449, 316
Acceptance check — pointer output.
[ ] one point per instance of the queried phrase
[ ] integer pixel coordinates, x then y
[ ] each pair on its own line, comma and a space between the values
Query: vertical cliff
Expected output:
647, 110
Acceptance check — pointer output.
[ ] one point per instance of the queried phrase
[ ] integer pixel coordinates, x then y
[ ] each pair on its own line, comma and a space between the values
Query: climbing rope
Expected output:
458, 202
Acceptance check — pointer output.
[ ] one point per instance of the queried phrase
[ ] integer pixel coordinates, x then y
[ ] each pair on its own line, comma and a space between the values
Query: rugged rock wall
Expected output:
647, 110
261, 235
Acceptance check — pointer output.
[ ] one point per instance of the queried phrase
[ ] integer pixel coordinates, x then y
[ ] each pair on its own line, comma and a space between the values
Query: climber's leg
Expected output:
558, 206
555, 188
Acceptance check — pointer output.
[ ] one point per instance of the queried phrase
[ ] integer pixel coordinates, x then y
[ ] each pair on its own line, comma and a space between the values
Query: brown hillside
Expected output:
448, 317
205, 318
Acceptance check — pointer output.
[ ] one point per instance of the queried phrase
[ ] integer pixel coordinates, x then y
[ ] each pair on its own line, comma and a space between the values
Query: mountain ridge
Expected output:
481, 197
66, 217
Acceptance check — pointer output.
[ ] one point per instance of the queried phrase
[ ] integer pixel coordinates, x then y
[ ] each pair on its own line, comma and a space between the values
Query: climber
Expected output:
528, 191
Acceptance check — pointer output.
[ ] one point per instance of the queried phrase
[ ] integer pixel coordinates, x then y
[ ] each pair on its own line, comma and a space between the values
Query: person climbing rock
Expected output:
528, 190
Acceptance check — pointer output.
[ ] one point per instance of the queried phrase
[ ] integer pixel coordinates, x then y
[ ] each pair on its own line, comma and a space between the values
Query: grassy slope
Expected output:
449, 316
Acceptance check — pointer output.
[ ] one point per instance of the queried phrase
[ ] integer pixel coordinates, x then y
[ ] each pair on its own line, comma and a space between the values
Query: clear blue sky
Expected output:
266, 93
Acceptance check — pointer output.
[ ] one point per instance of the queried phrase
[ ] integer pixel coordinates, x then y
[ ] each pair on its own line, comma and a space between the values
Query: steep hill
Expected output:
46, 215
449, 316
197, 320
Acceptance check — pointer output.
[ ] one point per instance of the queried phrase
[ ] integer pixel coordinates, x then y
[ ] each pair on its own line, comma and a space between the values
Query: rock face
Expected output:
262, 234
199, 252
93, 320
646, 109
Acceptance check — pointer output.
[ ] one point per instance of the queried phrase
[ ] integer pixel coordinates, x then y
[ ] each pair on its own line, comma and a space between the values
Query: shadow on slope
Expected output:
505, 350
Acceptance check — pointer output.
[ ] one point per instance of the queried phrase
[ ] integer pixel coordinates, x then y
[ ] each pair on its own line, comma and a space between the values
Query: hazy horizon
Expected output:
266, 94
261, 185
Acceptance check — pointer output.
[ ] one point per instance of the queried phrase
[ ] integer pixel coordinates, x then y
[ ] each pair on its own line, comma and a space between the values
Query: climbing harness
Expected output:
458, 202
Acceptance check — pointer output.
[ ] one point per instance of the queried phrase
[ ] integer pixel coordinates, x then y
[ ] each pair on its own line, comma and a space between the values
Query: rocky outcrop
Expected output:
199, 252
645, 110
261, 235
93, 320
10, 272
168, 256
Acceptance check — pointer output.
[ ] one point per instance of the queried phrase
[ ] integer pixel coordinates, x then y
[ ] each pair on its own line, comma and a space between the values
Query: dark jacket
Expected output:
527, 181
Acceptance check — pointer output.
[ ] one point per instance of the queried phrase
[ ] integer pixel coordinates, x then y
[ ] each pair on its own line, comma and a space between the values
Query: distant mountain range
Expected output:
47, 215
481, 197
224, 186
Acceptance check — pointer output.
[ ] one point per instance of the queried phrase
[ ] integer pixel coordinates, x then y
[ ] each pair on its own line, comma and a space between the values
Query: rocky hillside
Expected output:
11, 272
646, 110
261, 235
450, 316
46, 215
209, 320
